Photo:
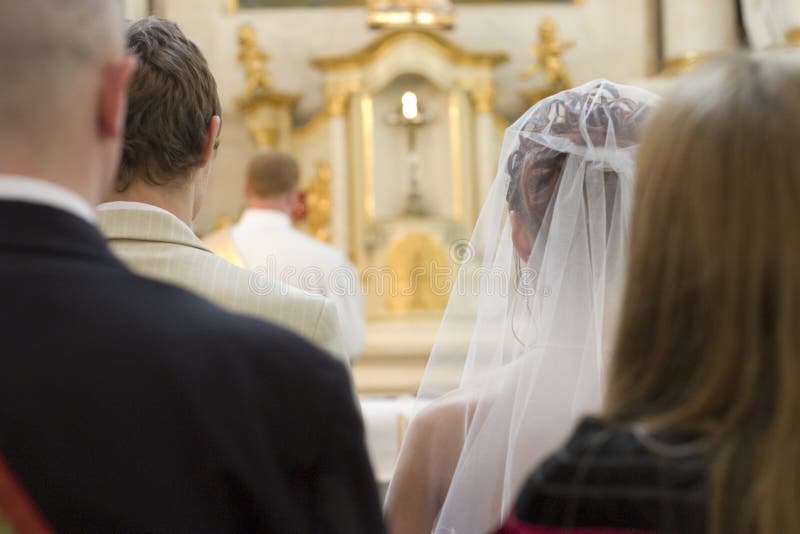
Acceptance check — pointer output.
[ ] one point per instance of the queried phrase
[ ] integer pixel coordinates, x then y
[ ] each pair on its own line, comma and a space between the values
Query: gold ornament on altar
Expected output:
419, 260
793, 36
410, 13
267, 112
318, 203
410, 116
254, 60
549, 63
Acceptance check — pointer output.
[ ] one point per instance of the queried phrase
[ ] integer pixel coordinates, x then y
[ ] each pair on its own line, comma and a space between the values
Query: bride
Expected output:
521, 351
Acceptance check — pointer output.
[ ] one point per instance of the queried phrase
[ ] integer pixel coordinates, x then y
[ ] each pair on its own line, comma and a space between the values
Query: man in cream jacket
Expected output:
171, 135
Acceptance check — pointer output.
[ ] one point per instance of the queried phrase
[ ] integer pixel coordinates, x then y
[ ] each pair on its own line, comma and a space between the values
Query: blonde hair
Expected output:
272, 173
709, 339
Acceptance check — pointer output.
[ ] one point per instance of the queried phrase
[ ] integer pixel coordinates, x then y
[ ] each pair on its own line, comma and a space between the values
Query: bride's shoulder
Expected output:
448, 412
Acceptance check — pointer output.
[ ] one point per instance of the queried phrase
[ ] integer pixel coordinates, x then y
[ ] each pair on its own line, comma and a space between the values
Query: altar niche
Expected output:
413, 184
413, 170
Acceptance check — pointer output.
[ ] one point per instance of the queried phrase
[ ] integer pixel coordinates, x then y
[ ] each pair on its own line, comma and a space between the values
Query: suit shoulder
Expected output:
262, 344
242, 291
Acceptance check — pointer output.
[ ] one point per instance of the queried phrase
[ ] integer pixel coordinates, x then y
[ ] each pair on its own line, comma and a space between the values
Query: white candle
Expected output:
409, 103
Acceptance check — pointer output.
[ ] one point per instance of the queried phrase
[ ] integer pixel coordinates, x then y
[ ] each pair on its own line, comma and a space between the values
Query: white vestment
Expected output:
265, 241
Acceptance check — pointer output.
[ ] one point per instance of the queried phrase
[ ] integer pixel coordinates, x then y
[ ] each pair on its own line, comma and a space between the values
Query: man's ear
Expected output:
293, 196
212, 131
113, 99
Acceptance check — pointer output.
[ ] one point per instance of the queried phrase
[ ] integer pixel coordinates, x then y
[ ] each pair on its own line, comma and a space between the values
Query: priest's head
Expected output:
62, 103
173, 121
273, 179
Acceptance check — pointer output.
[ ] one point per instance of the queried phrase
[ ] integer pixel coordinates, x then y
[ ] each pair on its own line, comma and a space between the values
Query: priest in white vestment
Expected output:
264, 240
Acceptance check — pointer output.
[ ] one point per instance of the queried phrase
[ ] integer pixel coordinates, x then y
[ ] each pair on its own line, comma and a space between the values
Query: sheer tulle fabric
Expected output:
522, 348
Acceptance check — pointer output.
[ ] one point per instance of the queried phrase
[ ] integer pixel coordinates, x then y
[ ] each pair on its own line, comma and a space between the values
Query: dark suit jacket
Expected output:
128, 405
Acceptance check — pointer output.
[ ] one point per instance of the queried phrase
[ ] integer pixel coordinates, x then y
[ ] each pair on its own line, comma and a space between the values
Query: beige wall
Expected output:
614, 40
135, 9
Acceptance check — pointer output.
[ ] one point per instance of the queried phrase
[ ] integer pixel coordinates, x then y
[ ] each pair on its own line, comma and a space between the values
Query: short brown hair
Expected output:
172, 98
272, 173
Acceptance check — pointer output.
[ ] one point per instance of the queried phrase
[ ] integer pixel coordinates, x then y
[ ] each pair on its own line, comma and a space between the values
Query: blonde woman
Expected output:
701, 428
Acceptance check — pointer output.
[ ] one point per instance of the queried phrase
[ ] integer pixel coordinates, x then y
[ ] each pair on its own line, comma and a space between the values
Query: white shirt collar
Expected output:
265, 218
38, 191
140, 206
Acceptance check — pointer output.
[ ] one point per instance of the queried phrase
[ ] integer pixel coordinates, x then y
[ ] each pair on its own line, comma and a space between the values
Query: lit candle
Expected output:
409, 103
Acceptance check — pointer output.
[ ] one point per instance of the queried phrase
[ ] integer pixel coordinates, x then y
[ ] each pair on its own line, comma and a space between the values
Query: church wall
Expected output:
135, 9
614, 39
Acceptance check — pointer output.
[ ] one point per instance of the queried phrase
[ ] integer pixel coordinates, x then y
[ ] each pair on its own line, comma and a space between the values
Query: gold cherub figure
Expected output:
318, 203
254, 60
548, 58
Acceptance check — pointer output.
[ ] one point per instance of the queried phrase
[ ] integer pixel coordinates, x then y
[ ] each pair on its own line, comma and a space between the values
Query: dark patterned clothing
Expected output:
611, 481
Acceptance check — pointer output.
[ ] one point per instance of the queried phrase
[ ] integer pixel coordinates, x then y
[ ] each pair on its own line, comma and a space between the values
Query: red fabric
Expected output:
515, 526
16, 506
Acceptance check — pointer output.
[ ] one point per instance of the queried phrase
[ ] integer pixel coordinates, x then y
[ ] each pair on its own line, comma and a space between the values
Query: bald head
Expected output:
63, 99
48, 48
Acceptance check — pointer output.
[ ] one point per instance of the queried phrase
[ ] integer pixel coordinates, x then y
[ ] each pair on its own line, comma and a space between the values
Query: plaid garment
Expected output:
611, 481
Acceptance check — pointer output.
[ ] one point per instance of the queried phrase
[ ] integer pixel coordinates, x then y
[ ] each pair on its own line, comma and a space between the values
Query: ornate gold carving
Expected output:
793, 36
377, 48
410, 13
548, 62
318, 203
254, 60
684, 63
266, 111
264, 136
258, 90
414, 257
231, 6
482, 100
336, 104
310, 128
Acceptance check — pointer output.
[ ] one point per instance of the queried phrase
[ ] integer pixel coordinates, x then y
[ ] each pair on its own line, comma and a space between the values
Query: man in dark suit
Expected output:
126, 404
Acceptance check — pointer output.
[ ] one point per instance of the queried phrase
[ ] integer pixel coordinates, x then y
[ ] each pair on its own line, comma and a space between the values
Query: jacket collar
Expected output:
34, 228
135, 223
263, 218
44, 192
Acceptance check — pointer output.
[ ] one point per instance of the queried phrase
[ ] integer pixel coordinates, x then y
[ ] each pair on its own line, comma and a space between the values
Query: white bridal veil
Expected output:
521, 352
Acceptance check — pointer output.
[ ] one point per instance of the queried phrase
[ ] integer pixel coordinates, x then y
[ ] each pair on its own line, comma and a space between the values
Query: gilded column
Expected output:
485, 150
336, 106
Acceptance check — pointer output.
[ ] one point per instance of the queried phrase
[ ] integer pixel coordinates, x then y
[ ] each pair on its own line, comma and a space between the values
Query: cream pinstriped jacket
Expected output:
154, 243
